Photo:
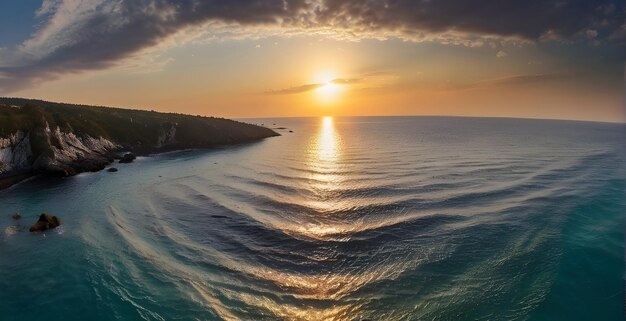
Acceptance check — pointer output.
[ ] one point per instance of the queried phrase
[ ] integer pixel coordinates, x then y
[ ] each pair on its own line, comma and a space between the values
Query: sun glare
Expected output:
328, 91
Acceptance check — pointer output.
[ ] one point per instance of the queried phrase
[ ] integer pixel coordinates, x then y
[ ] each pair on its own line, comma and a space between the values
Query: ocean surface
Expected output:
365, 218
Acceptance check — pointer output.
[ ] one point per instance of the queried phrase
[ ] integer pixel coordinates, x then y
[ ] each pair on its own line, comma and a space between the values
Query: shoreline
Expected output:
89, 138
11, 180
14, 179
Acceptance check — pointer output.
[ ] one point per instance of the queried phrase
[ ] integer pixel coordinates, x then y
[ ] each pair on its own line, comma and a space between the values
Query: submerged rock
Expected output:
45, 222
112, 170
12, 230
128, 158
16, 216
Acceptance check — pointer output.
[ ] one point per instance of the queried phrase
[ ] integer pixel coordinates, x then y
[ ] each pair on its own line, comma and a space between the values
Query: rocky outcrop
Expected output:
15, 152
128, 158
67, 154
45, 222
53, 151
59, 139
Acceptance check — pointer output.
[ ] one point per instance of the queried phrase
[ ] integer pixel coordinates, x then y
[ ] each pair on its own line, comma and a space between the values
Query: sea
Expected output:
339, 218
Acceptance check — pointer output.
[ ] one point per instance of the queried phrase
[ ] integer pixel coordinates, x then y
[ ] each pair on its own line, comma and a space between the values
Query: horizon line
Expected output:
623, 121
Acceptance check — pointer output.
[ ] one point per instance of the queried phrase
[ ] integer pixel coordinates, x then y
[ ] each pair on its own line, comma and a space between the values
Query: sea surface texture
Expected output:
370, 218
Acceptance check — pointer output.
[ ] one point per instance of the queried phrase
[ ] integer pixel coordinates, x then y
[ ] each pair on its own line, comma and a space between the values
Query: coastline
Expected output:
13, 179
56, 139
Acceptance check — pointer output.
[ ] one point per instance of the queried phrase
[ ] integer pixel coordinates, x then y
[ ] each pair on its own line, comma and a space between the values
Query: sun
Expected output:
328, 90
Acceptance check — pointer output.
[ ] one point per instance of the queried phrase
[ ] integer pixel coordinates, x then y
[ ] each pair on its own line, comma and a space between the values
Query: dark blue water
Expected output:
405, 218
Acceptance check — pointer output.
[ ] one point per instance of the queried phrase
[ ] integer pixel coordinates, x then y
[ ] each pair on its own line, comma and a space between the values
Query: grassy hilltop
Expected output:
134, 129
64, 139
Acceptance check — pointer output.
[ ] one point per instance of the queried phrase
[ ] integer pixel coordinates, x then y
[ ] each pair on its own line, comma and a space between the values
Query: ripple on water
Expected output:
353, 220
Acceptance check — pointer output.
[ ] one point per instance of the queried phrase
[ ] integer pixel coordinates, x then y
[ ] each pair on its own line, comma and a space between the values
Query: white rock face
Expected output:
15, 152
73, 147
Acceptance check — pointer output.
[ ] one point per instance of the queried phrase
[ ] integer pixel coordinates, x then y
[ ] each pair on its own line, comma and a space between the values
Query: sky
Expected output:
562, 59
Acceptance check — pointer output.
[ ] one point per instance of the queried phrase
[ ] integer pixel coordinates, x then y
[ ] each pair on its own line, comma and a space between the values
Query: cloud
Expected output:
47, 6
369, 77
528, 20
347, 81
591, 34
525, 79
83, 35
310, 87
619, 35
507, 81
294, 90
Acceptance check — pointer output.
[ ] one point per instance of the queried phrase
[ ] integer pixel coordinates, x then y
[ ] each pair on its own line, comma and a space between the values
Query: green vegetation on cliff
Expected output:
135, 129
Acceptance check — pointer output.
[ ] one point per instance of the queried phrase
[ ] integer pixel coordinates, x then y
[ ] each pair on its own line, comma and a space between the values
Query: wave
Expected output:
370, 234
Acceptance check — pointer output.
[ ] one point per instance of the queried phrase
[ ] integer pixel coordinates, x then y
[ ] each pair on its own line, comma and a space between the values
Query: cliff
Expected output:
64, 139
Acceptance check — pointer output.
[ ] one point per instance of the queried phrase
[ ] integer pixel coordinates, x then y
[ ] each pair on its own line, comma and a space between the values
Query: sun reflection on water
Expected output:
327, 142
324, 164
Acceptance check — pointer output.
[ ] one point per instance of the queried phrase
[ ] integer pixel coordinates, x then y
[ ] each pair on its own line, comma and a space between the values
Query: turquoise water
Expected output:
372, 218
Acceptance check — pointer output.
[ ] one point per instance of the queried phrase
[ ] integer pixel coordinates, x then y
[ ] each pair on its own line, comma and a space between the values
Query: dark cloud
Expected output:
116, 29
98, 34
619, 35
530, 19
